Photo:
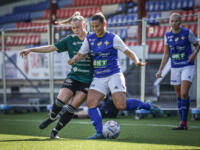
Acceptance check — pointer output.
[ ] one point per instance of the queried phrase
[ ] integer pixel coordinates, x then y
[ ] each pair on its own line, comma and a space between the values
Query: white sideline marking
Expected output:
88, 122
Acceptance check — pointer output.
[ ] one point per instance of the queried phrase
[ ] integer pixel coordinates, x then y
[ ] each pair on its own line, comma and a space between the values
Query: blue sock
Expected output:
96, 118
179, 107
132, 104
185, 108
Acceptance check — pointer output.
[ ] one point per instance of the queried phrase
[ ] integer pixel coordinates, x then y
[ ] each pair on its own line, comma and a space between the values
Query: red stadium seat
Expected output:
46, 14
184, 16
162, 30
195, 18
160, 46
149, 32
155, 31
190, 14
154, 47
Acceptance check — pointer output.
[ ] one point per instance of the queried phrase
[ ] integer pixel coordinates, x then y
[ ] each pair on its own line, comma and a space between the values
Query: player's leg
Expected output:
62, 98
176, 82
94, 113
98, 90
177, 89
65, 93
77, 100
117, 84
187, 75
185, 103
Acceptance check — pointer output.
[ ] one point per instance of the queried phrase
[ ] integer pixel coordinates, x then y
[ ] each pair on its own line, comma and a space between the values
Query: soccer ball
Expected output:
111, 129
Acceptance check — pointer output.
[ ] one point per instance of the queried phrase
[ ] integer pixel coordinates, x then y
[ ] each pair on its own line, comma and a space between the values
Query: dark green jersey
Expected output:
81, 71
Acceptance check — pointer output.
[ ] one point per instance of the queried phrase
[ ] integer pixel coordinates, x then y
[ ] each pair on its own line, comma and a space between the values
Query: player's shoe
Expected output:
180, 127
154, 109
46, 122
96, 136
54, 134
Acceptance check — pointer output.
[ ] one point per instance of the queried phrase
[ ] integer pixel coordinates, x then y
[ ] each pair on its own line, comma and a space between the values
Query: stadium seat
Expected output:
195, 17
131, 43
153, 47
160, 46
155, 31
162, 30
46, 14
149, 31
178, 4
168, 5
173, 5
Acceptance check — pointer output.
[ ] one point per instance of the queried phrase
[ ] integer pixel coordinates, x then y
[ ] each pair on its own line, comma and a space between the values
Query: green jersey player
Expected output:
78, 80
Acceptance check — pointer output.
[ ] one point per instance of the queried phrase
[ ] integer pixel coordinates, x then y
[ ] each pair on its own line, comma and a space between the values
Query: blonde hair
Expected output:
76, 16
177, 15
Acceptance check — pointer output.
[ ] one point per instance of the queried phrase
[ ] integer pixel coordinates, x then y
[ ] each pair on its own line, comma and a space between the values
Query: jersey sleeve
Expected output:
62, 45
165, 40
192, 37
85, 47
119, 44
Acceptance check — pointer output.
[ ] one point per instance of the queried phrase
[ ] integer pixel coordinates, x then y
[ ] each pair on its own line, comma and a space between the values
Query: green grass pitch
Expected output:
21, 132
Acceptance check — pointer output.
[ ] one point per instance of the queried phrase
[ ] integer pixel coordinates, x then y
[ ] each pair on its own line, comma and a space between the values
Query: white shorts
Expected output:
113, 83
183, 73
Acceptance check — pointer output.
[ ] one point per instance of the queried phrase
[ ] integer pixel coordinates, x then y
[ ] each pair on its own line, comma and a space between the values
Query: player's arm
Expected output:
121, 46
193, 40
77, 58
41, 49
163, 62
83, 53
134, 58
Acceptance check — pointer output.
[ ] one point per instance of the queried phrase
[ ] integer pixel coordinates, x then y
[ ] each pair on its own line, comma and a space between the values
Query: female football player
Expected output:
178, 48
104, 48
78, 80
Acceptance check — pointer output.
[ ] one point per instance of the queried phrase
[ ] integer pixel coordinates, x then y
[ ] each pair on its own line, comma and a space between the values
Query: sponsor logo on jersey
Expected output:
99, 44
176, 39
100, 63
116, 87
106, 42
183, 38
75, 69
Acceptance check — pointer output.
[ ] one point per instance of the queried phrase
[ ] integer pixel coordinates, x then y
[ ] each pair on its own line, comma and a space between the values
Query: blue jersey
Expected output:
104, 55
180, 48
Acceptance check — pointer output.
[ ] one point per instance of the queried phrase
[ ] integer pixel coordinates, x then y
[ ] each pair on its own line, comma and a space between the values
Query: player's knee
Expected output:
91, 103
184, 95
121, 106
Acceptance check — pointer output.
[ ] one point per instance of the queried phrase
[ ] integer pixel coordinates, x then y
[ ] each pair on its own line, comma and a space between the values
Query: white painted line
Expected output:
88, 122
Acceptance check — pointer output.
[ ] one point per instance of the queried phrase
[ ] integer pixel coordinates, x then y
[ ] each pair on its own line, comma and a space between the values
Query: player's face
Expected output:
78, 28
175, 22
98, 28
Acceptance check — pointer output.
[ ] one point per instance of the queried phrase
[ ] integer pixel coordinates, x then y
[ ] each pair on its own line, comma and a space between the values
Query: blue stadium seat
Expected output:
37, 15
109, 21
185, 4
174, 5
179, 4
156, 6
151, 6
190, 4
161, 5
123, 33
168, 4
63, 3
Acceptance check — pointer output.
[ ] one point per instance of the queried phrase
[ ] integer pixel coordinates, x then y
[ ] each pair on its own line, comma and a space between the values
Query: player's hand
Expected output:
158, 74
24, 53
71, 61
141, 63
